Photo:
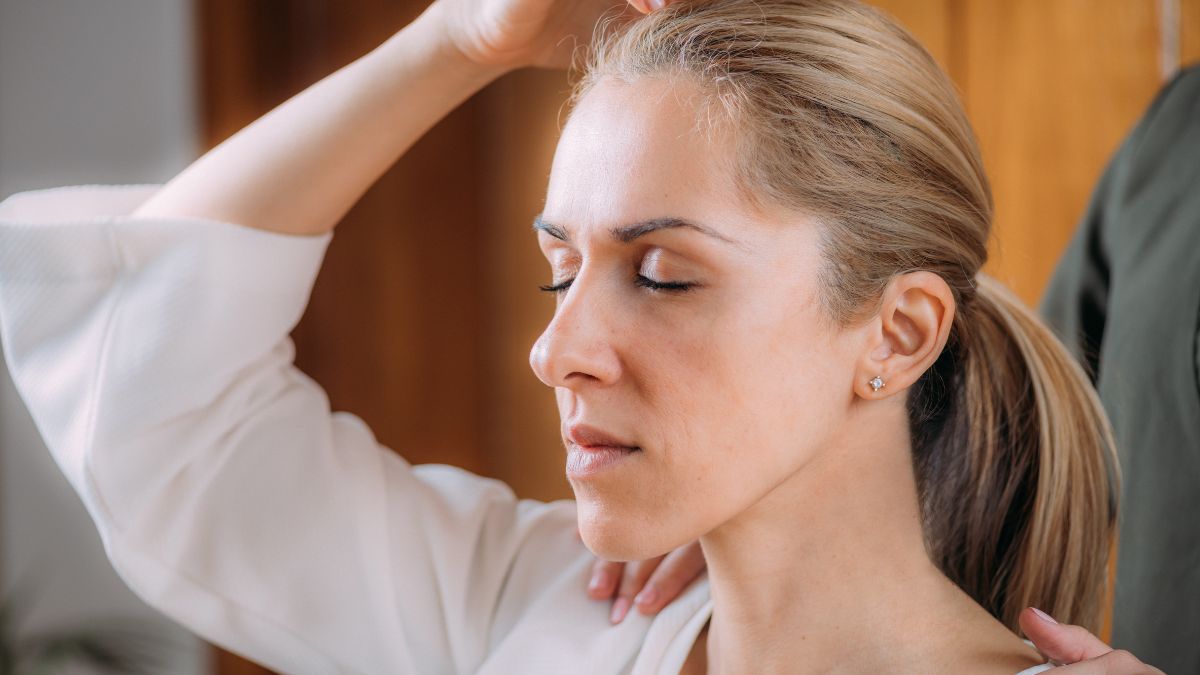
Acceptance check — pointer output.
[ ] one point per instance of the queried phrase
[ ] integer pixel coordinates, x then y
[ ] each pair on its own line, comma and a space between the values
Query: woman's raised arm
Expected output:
300, 167
147, 331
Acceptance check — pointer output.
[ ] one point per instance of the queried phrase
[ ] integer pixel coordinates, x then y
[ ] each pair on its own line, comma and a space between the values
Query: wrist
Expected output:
429, 40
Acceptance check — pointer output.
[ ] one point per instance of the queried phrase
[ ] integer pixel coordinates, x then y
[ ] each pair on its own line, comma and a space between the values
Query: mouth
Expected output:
592, 451
587, 461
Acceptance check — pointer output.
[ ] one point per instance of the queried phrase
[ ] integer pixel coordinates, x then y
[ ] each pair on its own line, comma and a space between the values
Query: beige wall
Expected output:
90, 92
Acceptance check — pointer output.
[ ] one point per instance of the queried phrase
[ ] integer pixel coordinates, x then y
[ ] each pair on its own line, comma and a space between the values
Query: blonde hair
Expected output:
839, 113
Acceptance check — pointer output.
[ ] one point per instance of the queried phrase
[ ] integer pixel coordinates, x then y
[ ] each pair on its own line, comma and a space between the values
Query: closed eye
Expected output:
640, 280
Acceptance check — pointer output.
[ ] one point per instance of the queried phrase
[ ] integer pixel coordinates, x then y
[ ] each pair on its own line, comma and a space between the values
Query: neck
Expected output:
829, 569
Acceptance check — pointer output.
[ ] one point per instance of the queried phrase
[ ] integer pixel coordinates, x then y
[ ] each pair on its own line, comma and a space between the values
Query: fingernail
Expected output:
647, 597
619, 608
655, 4
599, 579
1044, 616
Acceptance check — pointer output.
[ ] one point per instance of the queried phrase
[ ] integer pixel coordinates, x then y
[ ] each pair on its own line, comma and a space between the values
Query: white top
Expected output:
154, 356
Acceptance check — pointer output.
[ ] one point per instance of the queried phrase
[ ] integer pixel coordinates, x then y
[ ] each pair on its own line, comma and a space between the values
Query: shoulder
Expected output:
1038, 668
1171, 125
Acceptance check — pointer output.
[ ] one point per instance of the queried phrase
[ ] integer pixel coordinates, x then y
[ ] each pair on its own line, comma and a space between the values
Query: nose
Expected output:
577, 345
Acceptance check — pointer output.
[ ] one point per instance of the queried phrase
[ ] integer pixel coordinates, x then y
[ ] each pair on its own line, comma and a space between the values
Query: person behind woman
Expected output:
765, 223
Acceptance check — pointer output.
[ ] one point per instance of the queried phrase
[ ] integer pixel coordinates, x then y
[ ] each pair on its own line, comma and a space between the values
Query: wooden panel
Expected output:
225, 663
521, 417
1051, 88
392, 330
1189, 32
930, 21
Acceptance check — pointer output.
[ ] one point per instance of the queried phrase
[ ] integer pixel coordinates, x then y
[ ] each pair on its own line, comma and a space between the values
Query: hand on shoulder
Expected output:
1076, 648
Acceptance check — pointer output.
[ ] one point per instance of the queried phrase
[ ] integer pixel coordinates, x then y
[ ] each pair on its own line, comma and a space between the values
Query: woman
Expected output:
765, 224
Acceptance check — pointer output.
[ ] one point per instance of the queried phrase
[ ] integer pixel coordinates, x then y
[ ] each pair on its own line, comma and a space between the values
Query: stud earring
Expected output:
876, 383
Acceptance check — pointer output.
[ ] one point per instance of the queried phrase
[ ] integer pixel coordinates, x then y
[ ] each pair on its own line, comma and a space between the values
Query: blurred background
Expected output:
423, 315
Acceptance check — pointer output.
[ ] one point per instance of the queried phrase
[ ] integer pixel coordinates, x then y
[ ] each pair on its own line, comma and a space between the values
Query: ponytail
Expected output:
1015, 464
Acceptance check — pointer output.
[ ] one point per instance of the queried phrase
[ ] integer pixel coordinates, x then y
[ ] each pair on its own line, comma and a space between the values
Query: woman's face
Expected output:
726, 388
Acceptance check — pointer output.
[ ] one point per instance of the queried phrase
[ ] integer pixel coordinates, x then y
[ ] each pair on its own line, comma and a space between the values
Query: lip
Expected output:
587, 436
588, 461
591, 451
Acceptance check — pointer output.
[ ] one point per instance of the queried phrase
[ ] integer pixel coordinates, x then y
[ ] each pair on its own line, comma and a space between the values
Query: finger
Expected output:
1115, 662
680, 568
632, 582
647, 6
603, 581
1060, 642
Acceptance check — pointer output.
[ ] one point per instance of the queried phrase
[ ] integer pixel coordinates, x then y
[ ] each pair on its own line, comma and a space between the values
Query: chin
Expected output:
609, 548
611, 536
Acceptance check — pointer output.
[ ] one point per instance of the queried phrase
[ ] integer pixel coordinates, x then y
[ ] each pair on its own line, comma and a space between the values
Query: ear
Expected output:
908, 334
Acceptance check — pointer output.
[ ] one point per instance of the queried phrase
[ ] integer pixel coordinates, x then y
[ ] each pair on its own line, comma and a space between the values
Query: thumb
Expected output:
1060, 642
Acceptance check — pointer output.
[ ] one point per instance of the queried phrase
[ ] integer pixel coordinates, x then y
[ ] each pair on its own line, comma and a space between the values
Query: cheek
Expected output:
673, 377
729, 407
769, 391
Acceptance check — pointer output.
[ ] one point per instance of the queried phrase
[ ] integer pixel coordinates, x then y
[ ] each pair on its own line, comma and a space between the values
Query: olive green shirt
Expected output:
1126, 299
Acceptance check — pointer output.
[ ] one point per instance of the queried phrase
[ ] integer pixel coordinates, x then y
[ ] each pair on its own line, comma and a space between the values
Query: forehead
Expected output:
639, 149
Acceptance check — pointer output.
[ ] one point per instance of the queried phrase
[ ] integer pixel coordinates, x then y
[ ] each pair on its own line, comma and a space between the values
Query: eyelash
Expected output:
643, 281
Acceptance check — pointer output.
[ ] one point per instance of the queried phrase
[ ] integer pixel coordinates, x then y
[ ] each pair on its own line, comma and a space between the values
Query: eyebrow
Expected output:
627, 233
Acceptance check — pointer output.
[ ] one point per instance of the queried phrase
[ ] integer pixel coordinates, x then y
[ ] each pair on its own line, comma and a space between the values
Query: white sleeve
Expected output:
154, 355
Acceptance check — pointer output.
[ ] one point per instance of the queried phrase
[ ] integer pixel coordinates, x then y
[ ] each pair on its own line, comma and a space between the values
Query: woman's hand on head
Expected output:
511, 34
645, 585
1077, 649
